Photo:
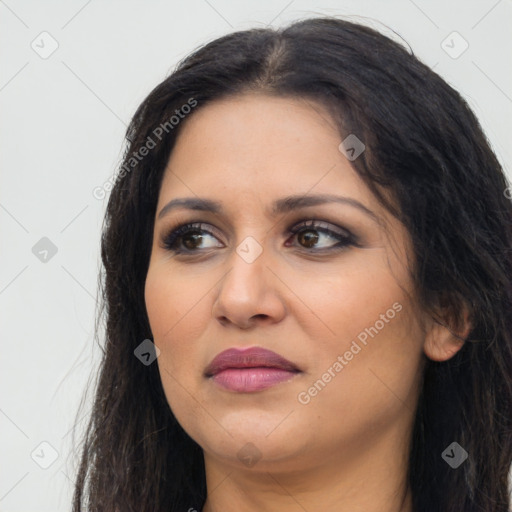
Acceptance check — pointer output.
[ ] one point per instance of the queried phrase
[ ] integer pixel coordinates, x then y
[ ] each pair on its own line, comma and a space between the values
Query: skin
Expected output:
347, 448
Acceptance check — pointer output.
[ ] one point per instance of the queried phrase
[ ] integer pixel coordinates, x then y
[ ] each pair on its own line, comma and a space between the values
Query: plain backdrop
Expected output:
72, 75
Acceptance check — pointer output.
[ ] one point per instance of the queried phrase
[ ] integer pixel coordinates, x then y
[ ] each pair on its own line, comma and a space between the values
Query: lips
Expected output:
249, 358
250, 370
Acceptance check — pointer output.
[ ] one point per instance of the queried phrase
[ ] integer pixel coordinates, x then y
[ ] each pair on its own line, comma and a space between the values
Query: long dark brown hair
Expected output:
426, 150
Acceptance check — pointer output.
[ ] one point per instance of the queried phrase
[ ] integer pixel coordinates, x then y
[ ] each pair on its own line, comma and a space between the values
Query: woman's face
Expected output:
297, 258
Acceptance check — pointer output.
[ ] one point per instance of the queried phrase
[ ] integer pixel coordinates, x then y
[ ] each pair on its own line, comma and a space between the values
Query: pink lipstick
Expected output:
249, 370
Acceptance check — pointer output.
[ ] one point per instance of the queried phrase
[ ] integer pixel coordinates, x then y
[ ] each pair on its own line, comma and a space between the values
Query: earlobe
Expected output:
442, 342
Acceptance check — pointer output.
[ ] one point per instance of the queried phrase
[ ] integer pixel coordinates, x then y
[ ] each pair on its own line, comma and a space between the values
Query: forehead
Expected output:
260, 147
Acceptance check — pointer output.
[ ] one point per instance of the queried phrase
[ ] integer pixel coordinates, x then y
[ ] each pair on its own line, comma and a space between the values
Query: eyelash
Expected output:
171, 240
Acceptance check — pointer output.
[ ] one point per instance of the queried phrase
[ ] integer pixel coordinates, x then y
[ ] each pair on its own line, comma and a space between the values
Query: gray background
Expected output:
63, 119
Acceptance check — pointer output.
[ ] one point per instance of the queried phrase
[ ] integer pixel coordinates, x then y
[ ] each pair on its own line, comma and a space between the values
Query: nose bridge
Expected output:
248, 264
247, 290
250, 249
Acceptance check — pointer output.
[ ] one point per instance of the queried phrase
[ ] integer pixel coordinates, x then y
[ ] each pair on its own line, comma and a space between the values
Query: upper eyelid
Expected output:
320, 225
315, 223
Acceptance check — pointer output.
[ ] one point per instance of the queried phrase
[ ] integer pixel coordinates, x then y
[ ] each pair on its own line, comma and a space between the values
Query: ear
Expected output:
446, 336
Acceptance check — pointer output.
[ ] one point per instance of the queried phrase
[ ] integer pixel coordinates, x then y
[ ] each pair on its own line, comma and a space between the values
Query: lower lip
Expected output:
246, 380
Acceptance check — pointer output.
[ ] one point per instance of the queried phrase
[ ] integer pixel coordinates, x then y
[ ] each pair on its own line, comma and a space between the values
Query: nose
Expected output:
249, 294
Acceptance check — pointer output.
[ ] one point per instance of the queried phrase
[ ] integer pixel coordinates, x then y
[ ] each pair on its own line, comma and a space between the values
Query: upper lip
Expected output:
255, 357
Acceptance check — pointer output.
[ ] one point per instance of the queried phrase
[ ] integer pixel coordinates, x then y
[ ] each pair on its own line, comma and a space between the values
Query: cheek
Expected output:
351, 296
359, 385
171, 302
177, 311
160, 305
372, 327
166, 307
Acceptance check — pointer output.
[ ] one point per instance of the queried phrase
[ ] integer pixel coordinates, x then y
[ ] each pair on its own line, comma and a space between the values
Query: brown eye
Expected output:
308, 238
315, 236
192, 240
188, 238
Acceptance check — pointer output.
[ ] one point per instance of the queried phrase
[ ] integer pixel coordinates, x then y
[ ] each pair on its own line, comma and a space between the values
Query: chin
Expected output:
247, 438
258, 453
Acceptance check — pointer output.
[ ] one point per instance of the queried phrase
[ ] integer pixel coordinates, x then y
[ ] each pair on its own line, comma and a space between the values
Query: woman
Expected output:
311, 228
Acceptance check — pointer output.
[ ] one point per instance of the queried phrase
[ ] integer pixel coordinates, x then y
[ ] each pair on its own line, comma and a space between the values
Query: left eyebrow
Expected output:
280, 206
